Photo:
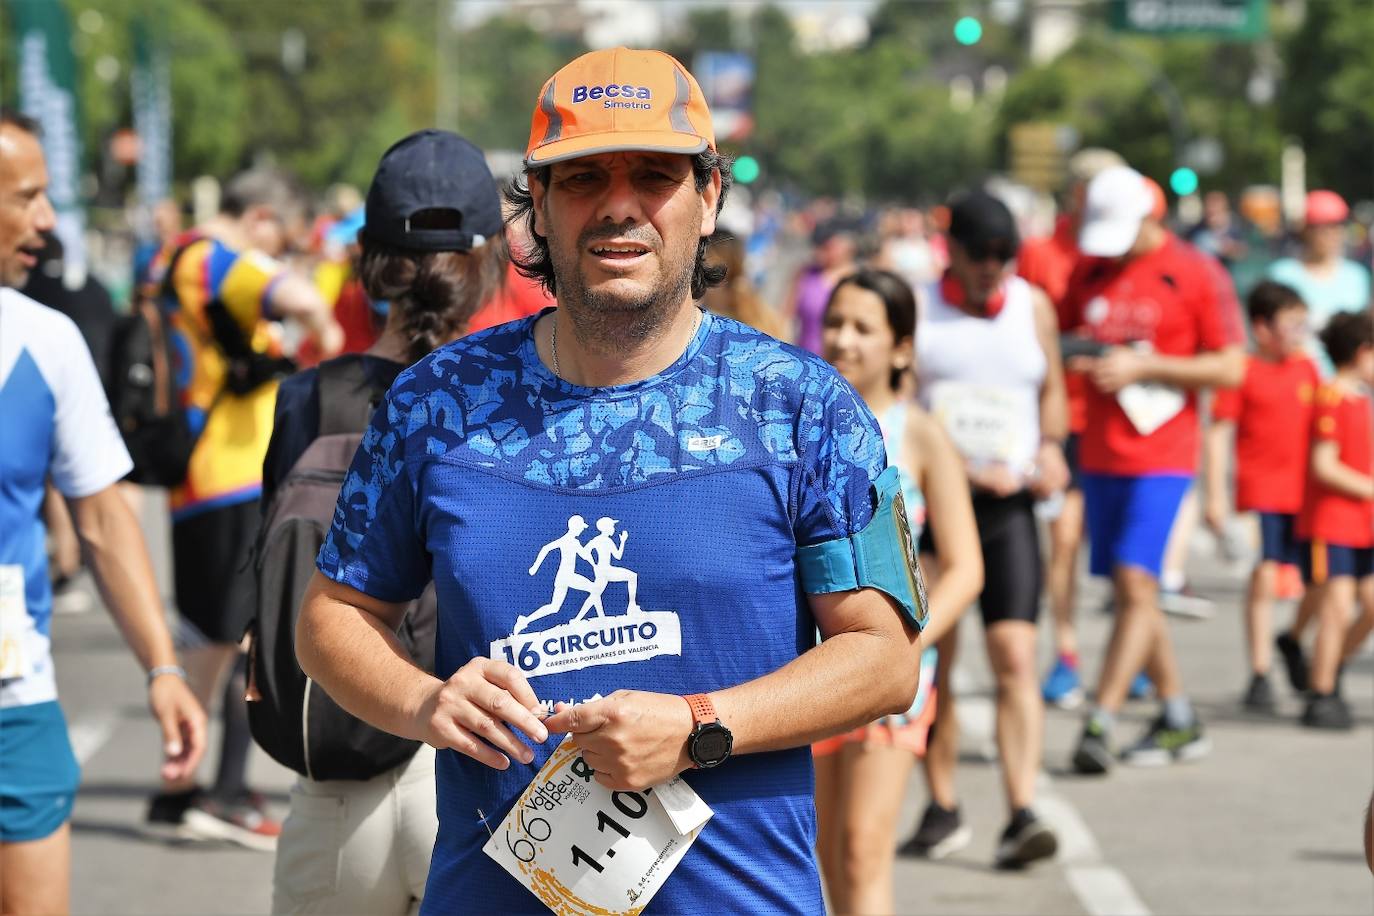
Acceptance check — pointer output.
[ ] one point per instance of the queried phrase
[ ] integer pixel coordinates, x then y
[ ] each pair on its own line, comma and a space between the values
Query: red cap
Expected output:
1324, 208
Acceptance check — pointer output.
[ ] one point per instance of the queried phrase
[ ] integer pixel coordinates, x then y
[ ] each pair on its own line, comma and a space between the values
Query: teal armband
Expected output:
882, 556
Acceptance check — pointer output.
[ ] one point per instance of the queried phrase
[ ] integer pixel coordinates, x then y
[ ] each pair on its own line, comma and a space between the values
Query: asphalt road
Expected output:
1269, 823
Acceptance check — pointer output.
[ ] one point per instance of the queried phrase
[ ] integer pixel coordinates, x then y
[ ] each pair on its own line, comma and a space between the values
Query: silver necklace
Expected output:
553, 339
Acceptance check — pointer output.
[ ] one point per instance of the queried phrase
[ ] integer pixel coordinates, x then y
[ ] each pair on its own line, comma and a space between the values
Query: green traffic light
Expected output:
968, 31
1183, 181
746, 169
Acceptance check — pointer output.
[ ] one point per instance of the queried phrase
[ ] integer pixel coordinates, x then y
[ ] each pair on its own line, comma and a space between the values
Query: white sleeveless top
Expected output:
981, 377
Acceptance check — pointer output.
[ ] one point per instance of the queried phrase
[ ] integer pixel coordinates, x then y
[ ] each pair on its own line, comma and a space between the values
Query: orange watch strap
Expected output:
703, 710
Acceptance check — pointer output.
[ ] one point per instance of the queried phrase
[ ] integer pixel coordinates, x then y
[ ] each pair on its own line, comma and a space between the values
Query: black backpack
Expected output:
291, 717
145, 399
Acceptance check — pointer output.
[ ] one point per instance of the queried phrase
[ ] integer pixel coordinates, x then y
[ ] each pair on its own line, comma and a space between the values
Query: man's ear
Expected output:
710, 196
537, 192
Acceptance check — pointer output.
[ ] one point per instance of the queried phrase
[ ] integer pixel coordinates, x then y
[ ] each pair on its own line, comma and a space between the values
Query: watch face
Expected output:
712, 745
913, 566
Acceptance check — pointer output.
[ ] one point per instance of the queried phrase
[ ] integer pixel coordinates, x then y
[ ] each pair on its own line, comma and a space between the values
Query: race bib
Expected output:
984, 421
1149, 405
14, 625
583, 849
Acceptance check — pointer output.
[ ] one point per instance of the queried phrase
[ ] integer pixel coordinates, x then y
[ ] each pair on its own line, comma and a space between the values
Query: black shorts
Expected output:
212, 556
1013, 574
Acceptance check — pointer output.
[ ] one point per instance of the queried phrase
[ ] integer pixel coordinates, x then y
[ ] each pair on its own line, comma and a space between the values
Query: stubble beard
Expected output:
608, 323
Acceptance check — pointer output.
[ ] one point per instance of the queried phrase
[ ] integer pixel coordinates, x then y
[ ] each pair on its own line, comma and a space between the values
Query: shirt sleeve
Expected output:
243, 282
842, 455
88, 451
1226, 404
1326, 415
374, 544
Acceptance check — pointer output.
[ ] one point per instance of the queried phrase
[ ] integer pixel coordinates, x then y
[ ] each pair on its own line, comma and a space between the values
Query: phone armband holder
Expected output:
881, 556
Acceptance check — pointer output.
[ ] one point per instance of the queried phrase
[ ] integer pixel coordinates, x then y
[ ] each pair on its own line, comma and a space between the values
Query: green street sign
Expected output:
1243, 20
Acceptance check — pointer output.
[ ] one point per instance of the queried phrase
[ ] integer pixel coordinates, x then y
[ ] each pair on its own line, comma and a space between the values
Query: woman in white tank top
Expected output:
861, 776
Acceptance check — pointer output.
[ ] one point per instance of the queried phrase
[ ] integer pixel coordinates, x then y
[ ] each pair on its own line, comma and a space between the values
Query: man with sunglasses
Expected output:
1154, 302
988, 367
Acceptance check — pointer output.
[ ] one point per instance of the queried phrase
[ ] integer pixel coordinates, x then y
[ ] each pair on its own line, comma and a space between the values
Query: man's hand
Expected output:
632, 739
470, 713
1115, 369
1051, 471
182, 720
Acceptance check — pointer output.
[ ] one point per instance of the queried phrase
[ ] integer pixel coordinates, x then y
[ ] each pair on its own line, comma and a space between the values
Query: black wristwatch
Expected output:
710, 742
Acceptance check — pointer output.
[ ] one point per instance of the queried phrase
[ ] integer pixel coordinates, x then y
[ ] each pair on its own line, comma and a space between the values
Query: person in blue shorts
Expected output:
736, 478
55, 423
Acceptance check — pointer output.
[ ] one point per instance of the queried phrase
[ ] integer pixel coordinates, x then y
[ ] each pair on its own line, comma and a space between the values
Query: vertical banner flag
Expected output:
727, 82
152, 107
47, 93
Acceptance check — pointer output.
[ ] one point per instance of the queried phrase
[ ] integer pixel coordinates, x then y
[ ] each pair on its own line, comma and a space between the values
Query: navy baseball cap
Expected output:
432, 170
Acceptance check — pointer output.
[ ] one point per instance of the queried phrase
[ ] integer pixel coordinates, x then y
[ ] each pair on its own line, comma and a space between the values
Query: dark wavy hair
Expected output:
1345, 335
536, 263
435, 293
898, 302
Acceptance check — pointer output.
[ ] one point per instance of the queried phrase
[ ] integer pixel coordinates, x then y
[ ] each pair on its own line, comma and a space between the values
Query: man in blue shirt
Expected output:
740, 500
55, 424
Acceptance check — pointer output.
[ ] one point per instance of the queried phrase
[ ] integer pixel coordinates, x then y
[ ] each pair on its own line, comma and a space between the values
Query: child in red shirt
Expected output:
1336, 523
1270, 414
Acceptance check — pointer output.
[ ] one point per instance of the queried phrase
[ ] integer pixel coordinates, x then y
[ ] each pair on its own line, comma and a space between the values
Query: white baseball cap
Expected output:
1117, 202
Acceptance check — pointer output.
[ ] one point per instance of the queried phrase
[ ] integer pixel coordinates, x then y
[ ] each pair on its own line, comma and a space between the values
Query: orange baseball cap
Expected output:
615, 100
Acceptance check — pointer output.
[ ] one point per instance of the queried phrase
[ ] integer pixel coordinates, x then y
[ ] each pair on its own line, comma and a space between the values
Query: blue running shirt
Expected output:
639, 537
54, 422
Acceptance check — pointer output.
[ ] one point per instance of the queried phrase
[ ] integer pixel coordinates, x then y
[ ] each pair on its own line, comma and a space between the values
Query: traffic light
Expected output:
968, 31
1183, 181
746, 170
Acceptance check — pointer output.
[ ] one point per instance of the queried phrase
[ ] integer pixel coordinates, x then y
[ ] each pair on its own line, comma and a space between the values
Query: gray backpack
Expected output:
292, 719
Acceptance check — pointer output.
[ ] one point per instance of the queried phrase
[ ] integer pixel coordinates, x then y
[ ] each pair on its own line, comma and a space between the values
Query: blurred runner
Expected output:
55, 422
834, 255
1152, 302
1048, 263
1336, 524
222, 288
434, 275
861, 776
988, 370
1270, 416
1328, 281
1220, 232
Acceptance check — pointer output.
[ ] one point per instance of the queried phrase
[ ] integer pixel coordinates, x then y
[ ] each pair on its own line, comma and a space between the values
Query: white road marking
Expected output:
89, 733
1102, 889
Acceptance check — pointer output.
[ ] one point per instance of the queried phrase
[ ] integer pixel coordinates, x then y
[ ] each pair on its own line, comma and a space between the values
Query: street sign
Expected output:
1243, 20
1038, 154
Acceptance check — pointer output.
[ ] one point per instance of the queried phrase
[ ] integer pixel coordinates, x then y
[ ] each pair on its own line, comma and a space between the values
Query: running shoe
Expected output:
1094, 754
1183, 603
1259, 696
1063, 687
1027, 839
941, 833
1142, 688
1162, 745
167, 810
1328, 711
243, 820
1293, 661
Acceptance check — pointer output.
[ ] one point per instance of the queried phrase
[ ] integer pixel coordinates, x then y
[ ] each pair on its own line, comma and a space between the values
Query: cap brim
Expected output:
1108, 238
640, 141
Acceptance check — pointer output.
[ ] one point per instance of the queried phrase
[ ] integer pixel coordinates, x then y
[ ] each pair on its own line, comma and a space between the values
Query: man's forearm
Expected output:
118, 558
360, 663
1218, 369
849, 680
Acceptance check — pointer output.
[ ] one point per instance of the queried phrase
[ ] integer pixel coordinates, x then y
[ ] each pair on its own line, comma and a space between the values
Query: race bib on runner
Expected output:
14, 624
984, 421
1149, 405
583, 849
